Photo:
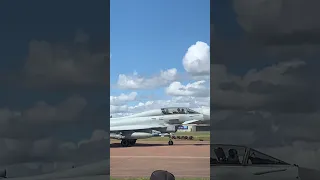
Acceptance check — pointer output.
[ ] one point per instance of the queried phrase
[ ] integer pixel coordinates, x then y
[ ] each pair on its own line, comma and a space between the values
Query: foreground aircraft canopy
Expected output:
158, 122
242, 163
94, 171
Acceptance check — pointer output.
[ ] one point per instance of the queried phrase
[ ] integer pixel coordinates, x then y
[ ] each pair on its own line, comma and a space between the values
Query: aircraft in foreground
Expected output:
230, 162
94, 171
158, 122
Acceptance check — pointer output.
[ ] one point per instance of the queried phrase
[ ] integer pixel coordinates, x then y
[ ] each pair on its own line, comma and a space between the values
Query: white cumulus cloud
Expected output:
123, 98
135, 81
197, 59
196, 89
175, 92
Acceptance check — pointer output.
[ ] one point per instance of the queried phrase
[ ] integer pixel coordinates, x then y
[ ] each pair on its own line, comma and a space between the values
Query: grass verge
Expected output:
197, 136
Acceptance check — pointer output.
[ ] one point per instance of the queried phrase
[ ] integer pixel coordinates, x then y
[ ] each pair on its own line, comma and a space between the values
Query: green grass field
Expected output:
147, 178
200, 135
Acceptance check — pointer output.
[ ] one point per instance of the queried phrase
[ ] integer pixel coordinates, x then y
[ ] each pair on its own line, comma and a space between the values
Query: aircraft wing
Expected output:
136, 127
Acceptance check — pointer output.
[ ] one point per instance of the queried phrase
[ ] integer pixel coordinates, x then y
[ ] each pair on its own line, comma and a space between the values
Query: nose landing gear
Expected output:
170, 142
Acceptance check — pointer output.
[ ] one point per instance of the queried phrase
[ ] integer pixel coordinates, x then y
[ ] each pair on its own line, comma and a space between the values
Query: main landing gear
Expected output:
128, 142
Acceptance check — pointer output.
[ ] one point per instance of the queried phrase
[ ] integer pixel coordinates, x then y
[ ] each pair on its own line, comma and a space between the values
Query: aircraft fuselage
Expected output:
159, 122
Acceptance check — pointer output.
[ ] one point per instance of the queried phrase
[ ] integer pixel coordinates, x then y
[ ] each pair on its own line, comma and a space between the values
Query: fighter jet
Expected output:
95, 171
230, 162
158, 122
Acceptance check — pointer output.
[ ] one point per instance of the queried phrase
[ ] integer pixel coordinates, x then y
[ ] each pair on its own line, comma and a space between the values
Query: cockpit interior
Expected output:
178, 110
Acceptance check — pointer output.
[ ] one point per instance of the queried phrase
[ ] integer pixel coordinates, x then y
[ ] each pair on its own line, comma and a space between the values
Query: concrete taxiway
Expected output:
183, 159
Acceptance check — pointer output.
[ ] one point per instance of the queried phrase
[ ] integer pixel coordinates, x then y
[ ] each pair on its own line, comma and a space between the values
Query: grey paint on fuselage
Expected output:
155, 118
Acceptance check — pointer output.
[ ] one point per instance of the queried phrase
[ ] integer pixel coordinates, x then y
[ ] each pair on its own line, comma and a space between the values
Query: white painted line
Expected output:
169, 157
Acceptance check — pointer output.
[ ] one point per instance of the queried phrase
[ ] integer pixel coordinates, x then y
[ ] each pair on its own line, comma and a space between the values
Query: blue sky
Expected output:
149, 36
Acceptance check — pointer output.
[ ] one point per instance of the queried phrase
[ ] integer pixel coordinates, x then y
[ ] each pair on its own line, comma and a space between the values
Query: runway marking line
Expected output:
169, 157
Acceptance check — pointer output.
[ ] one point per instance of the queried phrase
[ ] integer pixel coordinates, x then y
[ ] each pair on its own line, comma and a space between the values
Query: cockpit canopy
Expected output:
241, 155
178, 110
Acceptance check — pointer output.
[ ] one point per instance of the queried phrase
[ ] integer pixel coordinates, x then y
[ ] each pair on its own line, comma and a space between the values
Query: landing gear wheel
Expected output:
125, 143
170, 142
132, 142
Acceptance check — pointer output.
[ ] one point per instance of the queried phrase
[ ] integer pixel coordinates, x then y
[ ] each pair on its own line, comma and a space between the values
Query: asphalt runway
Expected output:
183, 159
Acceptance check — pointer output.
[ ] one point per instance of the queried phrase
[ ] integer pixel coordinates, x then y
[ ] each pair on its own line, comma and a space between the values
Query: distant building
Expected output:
194, 128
